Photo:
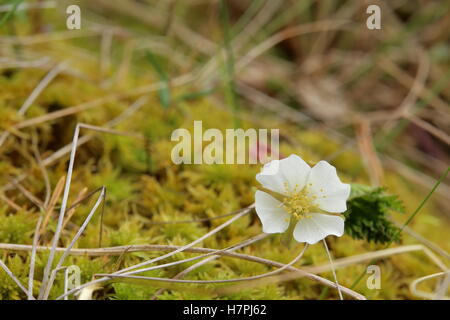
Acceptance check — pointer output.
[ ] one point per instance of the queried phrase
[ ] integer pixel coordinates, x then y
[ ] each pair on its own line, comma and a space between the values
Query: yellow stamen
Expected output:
298, 203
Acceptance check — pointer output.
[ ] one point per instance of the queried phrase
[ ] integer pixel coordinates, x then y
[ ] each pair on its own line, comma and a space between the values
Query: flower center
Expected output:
298, 203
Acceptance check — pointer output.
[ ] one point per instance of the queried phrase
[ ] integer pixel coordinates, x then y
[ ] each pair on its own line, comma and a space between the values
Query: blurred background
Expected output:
375, 103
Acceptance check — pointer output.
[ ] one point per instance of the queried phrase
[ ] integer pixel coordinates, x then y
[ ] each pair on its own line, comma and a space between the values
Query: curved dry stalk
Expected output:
200, 263
306, 271
260, 276
33, 258
52, 203
65, 199
84, 139
61, 213
30, 196
170, 264
338, 263
265, 13
193, 243
47, 37
48, 276
178, 81
78, 200
344, 262
183, 248
65, 112
34, 94
194, 220
13, 277
260, 279
16, 64
26, 6
298, 273
438, 133
418, 84
319, 26
332, 269
10, 203
48, 187
407, 81
41, 86
105, 51
427, 295
152, 18
433, 246
72, 243
443, 287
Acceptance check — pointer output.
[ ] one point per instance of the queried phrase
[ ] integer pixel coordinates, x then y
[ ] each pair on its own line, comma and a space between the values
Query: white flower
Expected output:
304, 194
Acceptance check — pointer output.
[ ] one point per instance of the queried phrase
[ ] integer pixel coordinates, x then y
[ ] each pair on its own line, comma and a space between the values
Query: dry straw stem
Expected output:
52, 203
368, 151
47, 37
72, 243
211, 69
242, 212
26, 6
33, 259
128, 112
30, 196
281, 267
178, 81
442, 288
129, 270
10, 203
45, 288
158, 19
338, 263
418, 85
6, 63
427, 295
333, 269
302, 29
210, 254
48, 187
185, 272
250, 281
13, 277
305, 271
34, 94
344, 262
441, 135
264, 15
408, 82
79, 199
433, 246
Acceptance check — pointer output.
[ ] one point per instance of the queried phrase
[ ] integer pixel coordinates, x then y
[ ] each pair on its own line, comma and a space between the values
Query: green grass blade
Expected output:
164, 92
9, 14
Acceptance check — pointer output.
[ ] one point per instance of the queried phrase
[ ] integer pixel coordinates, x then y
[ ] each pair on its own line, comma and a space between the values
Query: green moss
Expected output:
145, 189
16, 228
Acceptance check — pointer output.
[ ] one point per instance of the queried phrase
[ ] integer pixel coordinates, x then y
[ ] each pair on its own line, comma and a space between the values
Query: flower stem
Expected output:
287, 237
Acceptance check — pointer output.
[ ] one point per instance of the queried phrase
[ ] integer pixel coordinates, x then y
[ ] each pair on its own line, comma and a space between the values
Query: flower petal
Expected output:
318, 227
292, 170
331, 194
273, 218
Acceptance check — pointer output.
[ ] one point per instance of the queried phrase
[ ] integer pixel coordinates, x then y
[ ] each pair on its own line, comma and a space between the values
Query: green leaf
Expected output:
366, 215
164, 92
